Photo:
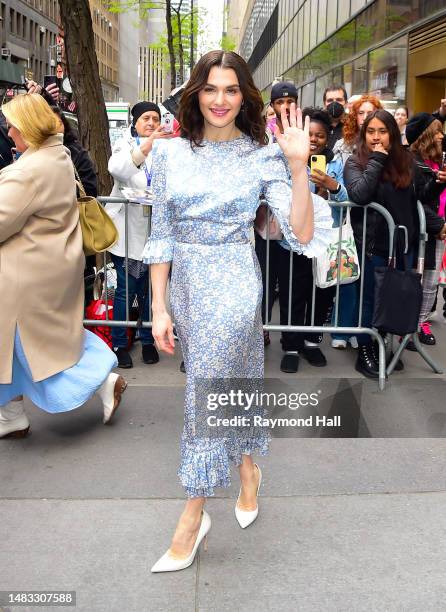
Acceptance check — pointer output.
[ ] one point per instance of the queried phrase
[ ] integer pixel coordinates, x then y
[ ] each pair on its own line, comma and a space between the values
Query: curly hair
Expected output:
249, 120
318, 115
426, 146
350, 131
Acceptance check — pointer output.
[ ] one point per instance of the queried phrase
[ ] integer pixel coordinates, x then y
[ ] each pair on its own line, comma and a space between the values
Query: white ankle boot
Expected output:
13, 420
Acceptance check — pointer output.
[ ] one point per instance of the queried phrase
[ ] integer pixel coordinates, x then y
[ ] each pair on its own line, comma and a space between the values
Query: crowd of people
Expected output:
371, 156
233, 163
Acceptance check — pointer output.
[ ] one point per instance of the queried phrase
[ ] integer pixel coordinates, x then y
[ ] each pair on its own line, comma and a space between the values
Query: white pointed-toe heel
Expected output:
169, 564
246, 517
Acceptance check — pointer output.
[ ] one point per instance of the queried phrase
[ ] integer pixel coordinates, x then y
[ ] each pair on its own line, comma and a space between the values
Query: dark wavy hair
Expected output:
249, 120
398, 169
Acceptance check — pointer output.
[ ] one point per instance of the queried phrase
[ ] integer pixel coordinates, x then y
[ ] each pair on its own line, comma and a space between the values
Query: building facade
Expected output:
233, 20
395, 49
28, 39
153, 76
128, 79
106, 41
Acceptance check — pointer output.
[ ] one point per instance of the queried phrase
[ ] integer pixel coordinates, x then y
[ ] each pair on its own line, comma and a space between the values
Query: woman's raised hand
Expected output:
295, 140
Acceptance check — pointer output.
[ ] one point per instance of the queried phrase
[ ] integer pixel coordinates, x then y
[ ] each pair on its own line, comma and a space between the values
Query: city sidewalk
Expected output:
344, 524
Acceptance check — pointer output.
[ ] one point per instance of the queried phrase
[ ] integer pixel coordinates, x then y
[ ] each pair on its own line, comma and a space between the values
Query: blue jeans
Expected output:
136, 287
347, 309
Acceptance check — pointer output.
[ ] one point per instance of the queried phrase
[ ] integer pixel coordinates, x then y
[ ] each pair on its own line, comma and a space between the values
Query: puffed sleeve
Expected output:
159, 247
276, 184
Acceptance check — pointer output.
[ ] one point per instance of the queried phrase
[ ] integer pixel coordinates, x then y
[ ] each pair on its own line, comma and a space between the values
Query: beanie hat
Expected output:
143, 107
284, 89
416, 126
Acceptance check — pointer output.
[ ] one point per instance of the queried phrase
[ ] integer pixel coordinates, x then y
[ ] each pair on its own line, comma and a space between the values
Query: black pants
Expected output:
274, 252
301, 299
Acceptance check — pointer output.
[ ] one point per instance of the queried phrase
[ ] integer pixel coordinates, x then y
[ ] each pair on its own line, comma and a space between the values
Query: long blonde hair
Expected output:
33, 117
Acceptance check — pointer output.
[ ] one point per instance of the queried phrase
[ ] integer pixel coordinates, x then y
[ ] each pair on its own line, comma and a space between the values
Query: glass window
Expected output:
343, 11
360, 75
429, 7
370, 26
321, 85
342, 44
322, 21
387, 72
308, 95
332, 10
347, 78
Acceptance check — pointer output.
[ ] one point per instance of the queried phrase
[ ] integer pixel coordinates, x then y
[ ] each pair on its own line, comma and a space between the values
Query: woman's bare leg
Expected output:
249, 479
187, 528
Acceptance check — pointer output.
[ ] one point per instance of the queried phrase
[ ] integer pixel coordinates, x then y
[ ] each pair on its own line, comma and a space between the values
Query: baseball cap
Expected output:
284, 89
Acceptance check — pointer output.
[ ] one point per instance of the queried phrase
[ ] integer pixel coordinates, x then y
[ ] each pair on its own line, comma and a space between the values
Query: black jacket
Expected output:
428, 192
84, 167
365, 186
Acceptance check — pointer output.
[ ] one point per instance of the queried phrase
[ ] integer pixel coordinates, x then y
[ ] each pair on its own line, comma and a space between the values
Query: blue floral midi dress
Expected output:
205, 202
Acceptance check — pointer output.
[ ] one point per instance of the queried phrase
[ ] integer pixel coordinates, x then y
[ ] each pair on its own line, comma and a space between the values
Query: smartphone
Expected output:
318, 162
49, 79
168, 123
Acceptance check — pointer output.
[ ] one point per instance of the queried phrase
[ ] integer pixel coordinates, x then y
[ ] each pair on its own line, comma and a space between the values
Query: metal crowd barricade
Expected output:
127, 322
414, 337
312, 328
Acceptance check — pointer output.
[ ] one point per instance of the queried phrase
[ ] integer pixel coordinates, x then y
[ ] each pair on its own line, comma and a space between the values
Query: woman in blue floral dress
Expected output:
206, 188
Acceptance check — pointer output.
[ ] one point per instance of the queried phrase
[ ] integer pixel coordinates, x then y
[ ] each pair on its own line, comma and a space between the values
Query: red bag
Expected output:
96, 310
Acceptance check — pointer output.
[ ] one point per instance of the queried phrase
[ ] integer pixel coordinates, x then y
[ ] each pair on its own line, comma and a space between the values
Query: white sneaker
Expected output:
13, 420
353, 342
338, 343
110, 393
311, 344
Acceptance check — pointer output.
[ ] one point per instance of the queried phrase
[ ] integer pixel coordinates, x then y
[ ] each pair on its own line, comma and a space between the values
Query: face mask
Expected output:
335, 110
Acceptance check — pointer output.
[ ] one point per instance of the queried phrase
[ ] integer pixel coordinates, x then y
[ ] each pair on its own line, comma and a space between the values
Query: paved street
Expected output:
345, 523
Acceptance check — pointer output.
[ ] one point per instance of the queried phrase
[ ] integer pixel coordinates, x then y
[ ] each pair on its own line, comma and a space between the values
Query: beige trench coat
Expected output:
41, 262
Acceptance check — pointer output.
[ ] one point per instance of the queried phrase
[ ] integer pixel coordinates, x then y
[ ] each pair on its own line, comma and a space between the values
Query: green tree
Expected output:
227, 43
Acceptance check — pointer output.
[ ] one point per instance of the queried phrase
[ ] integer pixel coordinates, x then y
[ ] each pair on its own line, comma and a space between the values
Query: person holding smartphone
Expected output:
131, 167
326, 180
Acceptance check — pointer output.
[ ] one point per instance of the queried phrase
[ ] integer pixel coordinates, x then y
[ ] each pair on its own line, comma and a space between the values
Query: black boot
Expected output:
124, 359
150, 354
365, 363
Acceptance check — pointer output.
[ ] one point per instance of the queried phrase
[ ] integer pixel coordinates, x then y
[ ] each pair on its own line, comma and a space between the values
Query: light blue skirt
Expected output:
66, 390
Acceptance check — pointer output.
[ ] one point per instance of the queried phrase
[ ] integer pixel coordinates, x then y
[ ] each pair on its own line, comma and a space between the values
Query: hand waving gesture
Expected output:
295, 140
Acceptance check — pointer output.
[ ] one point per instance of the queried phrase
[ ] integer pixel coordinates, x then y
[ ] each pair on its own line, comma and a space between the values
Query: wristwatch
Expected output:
337, 190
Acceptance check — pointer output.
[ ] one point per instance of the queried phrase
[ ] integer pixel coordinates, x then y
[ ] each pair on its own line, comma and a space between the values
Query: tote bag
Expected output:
398, 298
327, 268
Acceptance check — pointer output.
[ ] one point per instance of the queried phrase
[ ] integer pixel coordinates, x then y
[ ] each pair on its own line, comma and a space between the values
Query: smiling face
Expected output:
16, 136
221, 98
377, 133
318, 138
147, 123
